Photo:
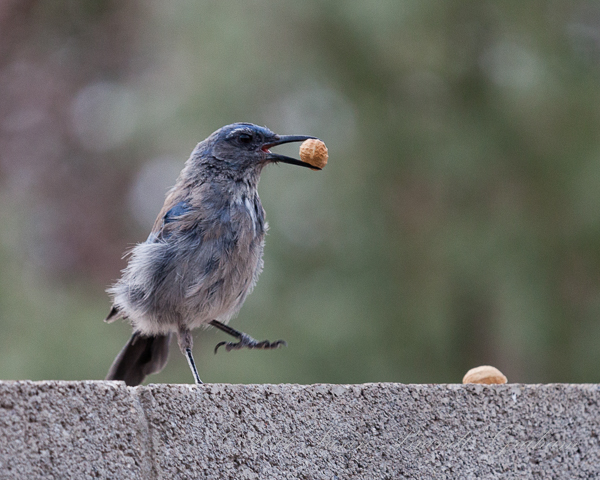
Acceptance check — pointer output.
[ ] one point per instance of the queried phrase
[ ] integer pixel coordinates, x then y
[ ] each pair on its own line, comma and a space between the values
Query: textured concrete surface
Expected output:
107, 430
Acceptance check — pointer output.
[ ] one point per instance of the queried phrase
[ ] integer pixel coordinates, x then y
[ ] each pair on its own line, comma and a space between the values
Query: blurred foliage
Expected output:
457, 223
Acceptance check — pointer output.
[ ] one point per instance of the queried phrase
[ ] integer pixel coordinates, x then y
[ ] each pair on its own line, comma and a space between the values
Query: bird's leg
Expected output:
245, 340
185, 341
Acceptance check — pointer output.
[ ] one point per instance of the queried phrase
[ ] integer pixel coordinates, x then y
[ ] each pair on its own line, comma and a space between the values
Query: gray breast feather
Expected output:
194, 275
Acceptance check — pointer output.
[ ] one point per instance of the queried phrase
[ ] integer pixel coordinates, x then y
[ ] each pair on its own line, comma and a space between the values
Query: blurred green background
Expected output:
457, 223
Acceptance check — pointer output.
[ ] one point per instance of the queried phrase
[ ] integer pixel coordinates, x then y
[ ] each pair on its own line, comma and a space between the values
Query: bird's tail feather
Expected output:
140, 357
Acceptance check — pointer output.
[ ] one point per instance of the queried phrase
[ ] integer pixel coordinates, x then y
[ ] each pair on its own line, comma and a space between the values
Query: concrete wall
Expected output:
106, 430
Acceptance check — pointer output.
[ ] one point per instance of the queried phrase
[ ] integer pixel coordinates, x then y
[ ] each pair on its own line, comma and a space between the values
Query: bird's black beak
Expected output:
280, 139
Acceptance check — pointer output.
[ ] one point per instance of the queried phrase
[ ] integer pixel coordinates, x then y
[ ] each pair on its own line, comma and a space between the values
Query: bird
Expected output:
203, 255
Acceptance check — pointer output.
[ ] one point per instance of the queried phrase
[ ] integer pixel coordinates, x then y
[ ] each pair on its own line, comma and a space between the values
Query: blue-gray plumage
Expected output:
203, 255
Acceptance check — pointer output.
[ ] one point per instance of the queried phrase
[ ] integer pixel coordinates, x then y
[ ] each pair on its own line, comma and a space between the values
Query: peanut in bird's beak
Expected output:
276, 157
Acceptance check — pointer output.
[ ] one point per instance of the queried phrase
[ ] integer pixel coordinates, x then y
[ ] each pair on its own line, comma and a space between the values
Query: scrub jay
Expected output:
203, 255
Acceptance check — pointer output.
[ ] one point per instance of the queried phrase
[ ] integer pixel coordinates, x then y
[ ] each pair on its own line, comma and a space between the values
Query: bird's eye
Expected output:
245, 137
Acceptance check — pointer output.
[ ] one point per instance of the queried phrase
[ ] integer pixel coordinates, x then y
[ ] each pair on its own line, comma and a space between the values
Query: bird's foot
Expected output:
246, 341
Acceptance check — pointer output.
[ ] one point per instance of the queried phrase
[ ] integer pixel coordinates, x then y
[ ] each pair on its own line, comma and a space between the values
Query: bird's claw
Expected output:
246, 341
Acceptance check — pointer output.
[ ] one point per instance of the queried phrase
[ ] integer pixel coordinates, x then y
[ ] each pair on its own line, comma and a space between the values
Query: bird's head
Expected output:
244, 147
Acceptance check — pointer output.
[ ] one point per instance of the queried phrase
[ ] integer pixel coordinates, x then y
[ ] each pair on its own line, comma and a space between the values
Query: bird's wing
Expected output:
174, 215
171, 217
